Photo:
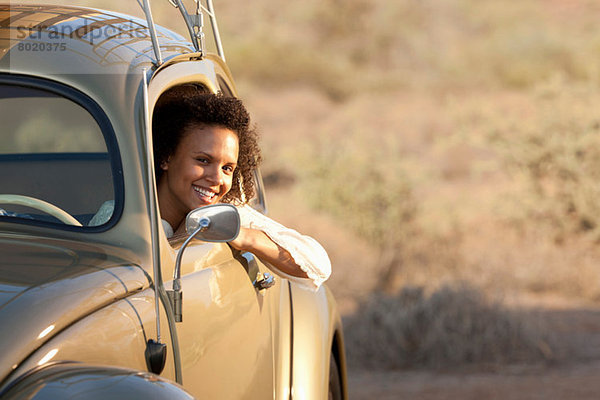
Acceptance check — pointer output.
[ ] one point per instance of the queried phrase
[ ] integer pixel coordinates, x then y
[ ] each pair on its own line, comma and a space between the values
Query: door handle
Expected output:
265, 281
260, 281
251, 266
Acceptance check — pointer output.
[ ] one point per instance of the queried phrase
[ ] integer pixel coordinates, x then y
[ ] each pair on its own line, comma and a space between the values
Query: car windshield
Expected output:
54, 162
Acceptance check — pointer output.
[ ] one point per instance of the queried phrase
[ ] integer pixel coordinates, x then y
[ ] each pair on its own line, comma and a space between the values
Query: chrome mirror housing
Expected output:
214, 223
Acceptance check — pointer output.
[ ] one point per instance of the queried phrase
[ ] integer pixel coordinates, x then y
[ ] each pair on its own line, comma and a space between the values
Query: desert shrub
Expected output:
359, 180
557, 155
454, 325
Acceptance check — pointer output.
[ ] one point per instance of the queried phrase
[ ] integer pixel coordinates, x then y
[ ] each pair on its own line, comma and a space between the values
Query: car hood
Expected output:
46, 285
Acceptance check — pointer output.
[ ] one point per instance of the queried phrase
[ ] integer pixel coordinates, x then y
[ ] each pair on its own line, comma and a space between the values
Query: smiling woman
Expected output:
205, 152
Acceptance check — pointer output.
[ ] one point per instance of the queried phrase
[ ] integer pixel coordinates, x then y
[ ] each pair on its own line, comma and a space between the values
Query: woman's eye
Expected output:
202, 160
228, 168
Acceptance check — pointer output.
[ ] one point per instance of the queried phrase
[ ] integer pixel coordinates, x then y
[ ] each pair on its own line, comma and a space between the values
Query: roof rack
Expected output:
194, 23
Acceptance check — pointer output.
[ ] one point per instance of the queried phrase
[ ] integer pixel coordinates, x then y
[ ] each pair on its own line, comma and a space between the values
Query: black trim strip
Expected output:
27, 157
291, 341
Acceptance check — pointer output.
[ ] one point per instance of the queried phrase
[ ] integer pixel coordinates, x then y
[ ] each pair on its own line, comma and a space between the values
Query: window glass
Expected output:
54, 162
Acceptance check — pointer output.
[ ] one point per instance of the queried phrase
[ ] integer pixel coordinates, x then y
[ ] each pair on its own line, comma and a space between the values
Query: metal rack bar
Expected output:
195, 24
152, 29
215, 28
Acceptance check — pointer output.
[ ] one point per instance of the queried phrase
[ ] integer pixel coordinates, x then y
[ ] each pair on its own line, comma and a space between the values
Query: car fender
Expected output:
81, 381
316, 334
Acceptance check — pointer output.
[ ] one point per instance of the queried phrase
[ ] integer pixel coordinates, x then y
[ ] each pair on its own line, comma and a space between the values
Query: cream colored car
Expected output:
92, 305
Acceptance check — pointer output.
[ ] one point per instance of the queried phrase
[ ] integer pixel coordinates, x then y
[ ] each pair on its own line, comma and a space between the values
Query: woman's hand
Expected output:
261, 245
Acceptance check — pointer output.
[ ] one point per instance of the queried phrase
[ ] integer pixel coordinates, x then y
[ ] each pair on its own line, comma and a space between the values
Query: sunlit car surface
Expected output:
87, 304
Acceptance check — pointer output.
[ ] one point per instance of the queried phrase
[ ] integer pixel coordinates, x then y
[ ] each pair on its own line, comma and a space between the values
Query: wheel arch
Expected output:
93, 382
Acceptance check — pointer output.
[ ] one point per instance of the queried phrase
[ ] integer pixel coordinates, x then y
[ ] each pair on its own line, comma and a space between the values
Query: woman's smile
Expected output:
205, 195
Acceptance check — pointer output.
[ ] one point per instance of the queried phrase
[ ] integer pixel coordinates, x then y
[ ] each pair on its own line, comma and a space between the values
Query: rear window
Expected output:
55, 163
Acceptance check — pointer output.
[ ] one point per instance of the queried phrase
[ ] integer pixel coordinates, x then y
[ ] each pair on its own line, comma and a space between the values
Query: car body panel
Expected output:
93, 341
114, 335
316, 325
221, 307
51, 283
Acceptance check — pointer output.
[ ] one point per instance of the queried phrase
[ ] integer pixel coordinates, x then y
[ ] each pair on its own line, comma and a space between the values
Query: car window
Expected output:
54, 162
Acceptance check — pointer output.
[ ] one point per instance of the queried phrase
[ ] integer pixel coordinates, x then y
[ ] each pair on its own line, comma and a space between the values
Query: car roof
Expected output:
95, 41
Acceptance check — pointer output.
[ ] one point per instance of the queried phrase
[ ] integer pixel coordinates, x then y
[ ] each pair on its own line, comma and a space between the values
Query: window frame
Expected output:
259, 201
108, 133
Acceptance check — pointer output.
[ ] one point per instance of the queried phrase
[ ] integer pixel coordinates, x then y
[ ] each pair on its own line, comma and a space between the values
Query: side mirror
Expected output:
214, 223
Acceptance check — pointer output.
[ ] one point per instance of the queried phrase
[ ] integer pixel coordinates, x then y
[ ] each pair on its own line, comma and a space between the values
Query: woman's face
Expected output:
199, 172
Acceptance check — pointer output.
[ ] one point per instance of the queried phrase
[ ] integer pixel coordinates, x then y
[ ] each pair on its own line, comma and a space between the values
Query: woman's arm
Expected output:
258, 243
292, 255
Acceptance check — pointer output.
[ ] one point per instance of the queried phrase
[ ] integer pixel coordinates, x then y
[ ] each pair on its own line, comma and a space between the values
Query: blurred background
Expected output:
447, 155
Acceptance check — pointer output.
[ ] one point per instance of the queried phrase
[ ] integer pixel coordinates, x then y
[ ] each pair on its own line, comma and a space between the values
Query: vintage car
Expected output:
95, 301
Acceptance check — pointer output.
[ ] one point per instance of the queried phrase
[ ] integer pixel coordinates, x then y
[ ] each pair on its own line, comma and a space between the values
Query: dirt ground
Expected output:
576, 381
575, 377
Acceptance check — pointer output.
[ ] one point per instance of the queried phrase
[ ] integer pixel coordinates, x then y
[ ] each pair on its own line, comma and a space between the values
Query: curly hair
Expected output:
188, 105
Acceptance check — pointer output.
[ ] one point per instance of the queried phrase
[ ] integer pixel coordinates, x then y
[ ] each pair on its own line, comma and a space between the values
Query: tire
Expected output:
335, 383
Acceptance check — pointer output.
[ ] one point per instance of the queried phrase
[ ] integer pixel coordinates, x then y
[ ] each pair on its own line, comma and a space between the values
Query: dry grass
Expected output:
452, 326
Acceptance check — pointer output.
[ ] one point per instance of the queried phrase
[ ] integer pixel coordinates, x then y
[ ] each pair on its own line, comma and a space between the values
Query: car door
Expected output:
225, 336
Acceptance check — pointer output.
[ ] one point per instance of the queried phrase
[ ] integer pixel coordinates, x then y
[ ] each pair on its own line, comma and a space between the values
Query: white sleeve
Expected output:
306, 251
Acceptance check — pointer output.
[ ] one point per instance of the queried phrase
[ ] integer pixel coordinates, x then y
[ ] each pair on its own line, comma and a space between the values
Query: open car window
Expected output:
55, 166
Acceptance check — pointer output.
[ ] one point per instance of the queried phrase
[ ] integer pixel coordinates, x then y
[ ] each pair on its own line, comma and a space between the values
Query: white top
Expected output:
167, 228
310, 256
306, 251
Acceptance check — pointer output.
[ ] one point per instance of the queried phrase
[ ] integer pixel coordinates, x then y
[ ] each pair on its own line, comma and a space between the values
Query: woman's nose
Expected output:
215, 175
